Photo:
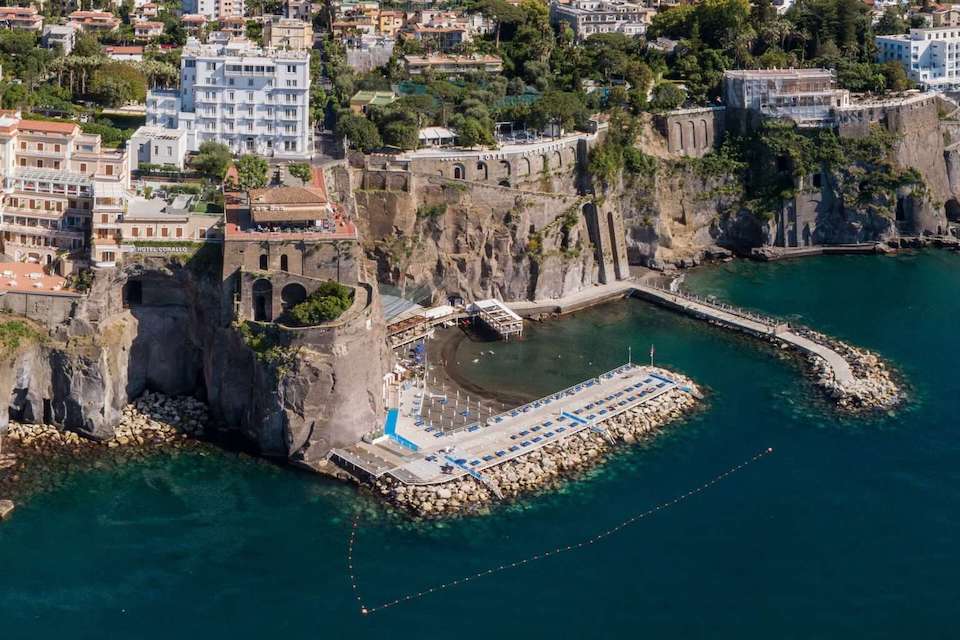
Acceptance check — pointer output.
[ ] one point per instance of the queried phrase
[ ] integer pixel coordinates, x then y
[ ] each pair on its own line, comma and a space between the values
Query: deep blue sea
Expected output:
849, 530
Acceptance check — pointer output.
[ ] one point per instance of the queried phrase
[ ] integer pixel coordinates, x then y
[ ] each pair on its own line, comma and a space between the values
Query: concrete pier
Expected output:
751, 323
416, 452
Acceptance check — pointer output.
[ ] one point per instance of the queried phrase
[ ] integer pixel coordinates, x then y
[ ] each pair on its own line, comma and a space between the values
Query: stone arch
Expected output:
559, 159
572, 152
292, 294
678, 134
525, 167
264, 262
692, 134
482, 172
505, 169
262, 290
704, 134
459, 172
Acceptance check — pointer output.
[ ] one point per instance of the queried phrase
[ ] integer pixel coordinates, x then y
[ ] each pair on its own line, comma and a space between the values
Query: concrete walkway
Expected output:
755, 325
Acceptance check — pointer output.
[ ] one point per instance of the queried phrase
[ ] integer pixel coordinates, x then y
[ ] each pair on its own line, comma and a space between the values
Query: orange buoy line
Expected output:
366, 610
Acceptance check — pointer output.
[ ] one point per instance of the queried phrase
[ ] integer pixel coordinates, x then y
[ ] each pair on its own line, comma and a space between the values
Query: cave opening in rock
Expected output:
132, 293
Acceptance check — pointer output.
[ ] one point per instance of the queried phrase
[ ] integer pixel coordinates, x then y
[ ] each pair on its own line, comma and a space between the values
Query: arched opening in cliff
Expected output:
482, 173
901, 211
132, 293
952, 208
292, 295
262, 300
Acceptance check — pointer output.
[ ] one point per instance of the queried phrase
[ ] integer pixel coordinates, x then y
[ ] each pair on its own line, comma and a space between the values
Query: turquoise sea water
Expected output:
850, 530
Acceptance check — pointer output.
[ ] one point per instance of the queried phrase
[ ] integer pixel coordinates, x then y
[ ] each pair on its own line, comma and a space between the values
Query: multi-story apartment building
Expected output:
252, 100
287, 33
60, 35
297, 9
929, 56
24, 18
59, 185
809, 97
95, 21
213, 9
589, 17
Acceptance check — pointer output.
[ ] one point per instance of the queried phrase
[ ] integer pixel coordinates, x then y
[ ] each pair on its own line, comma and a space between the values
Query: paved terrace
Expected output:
416, 452
746, 321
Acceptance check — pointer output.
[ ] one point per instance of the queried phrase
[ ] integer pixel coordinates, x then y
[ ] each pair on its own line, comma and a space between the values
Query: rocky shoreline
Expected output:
874, 388
36, 455
543, 468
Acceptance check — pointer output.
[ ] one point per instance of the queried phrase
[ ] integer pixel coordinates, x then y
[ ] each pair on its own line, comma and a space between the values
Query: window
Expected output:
109, 169
291, 83
179, 232
23, 146
163, 232
284, 263
39, 146
149, 232
104, 218
291, 68
83, 167
263, 262
135, 232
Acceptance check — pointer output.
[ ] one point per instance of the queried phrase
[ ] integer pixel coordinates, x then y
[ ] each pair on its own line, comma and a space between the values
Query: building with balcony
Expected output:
252, 100
929, 56
147, 29
95, 21
60, 35
53, 175
23, 18
590, 17
213, 9
234, 26
809, 97
287, 33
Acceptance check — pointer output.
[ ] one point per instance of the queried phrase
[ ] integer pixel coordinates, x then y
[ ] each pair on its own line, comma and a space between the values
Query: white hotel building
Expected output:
929, 56
253, 100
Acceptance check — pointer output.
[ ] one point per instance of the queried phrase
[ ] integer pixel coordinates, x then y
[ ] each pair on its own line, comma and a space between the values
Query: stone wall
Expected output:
692, 132
49, 309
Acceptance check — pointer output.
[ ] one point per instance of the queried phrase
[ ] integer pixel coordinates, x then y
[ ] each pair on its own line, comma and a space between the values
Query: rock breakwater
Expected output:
873, 387
37, 455
542, 468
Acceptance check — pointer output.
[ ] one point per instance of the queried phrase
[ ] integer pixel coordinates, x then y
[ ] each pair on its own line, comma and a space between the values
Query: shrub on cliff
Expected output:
13, 333
323, 305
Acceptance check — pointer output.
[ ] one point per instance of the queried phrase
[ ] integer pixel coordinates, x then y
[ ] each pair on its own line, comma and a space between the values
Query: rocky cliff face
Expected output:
477, 240
316, 393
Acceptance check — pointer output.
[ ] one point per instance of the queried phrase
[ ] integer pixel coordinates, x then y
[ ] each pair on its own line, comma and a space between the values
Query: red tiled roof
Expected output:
48, 126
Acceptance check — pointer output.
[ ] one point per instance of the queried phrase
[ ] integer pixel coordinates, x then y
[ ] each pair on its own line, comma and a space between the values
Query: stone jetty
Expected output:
545, 467
855, 379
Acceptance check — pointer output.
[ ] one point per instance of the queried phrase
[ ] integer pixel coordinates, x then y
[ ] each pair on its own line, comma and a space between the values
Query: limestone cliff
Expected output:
476, 240
322, 389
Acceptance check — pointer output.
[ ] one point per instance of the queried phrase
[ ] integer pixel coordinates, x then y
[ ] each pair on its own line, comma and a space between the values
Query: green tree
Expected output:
358, 131
86, 46
251, 172
667, 96
891, 22
116, 83
895, 78
301, 170
212, 160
